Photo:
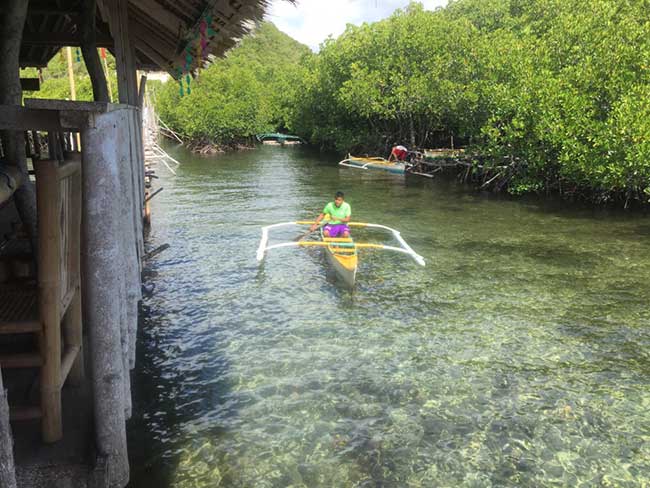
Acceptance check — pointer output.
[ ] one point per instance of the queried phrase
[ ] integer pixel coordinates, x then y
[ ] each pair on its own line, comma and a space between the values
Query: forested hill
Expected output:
246, 93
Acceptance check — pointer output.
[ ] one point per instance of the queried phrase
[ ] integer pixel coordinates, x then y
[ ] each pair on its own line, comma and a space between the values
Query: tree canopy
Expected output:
557, 91
246, 93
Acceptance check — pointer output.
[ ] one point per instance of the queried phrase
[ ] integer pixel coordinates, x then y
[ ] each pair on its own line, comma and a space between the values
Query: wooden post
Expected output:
7, 468
101, 257
89, 50
12, 21
48, 191
124, 52
138, 179
128, 262
128, 94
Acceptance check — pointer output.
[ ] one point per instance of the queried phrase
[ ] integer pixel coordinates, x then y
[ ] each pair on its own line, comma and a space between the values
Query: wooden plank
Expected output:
144, 47
30, 84
26, 360
24, 413
161, 15
55, 104
13, 117
57, 39
21, 327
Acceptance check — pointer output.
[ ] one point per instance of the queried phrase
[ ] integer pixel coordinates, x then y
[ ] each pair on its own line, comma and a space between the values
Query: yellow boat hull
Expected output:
344, 260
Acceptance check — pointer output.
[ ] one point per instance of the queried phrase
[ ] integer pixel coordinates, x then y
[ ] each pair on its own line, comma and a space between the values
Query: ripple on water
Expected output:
517, 357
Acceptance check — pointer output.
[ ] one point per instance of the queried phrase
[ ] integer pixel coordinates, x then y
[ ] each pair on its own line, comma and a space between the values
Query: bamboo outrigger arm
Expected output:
404, 249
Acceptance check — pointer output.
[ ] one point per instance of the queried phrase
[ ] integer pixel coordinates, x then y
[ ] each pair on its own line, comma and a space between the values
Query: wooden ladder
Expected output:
51, 310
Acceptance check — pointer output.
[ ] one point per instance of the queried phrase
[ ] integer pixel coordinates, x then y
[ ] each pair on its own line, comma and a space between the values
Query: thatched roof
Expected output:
171, 35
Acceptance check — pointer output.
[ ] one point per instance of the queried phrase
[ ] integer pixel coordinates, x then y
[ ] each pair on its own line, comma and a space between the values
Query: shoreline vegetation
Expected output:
546, 96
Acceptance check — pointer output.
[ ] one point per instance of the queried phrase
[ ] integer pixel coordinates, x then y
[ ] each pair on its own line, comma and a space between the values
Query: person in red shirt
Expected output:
398, 153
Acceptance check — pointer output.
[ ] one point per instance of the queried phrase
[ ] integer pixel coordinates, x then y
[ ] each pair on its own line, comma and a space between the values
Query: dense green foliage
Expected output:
552, 95
557, 93
244, 94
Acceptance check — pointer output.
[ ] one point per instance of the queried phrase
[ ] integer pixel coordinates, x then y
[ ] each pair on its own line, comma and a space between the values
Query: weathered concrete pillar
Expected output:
130, 237
7, 468
103, 297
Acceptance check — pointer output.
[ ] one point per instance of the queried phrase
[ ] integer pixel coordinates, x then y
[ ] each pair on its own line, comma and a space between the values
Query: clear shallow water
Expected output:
518, 357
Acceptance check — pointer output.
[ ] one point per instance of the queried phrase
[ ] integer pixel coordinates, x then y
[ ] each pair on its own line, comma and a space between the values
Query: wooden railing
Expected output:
51, 309
58, 192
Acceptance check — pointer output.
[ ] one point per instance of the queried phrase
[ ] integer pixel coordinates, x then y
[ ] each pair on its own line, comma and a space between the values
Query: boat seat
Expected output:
337, 239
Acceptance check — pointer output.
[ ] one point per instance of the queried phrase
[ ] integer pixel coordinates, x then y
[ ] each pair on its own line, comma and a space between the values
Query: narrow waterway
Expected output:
520, 356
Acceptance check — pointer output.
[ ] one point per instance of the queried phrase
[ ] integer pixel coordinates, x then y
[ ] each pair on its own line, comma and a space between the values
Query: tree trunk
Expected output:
12, 21
411, 131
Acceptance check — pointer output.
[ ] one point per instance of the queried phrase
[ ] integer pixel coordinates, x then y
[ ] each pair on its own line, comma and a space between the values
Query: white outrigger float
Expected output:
341, 251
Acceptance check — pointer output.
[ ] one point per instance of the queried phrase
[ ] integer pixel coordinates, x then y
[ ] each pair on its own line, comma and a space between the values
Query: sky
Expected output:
311, 21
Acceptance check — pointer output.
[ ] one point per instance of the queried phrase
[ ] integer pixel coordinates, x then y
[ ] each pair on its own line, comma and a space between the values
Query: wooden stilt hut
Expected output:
81, 209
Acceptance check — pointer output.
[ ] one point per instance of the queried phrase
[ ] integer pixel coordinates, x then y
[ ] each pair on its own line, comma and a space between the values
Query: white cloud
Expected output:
312, 21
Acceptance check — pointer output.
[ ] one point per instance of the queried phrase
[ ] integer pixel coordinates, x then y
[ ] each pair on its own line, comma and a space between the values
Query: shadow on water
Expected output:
174, 384
543, 253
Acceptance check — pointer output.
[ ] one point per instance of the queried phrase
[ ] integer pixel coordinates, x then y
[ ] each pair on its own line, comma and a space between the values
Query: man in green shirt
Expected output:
339, 215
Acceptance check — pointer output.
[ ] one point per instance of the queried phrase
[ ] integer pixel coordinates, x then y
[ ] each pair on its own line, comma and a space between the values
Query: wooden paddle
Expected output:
320, 224
301, 237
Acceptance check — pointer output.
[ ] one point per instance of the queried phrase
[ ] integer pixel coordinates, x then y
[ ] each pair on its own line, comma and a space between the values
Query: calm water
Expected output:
520, 356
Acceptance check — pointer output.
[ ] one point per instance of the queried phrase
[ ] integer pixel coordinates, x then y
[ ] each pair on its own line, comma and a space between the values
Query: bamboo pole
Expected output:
73, 88
48, 197
7, 468
102, 297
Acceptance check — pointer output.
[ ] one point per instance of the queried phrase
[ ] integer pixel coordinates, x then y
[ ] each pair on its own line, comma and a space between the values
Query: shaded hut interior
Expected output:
73, 193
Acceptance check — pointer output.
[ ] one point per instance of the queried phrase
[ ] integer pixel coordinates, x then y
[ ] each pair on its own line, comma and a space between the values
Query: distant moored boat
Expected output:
277, 139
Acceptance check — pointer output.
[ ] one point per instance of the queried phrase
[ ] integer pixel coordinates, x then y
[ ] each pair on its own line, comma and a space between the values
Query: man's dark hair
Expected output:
339, 194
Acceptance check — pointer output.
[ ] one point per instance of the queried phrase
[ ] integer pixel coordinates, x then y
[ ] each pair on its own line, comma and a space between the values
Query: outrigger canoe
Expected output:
341, 252
342, 255
396, 167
